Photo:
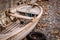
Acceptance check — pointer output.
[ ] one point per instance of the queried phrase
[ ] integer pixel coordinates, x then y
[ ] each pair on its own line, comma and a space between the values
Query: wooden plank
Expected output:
20, 16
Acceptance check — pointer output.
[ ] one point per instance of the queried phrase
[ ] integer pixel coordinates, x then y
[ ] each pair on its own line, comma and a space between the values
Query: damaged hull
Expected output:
23, 31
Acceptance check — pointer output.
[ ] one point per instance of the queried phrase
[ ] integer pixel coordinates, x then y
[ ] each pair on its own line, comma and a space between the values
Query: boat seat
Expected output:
21, 16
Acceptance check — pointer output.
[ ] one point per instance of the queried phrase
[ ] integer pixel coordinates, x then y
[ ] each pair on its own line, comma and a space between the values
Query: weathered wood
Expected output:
23, 30
20, 16
28, 29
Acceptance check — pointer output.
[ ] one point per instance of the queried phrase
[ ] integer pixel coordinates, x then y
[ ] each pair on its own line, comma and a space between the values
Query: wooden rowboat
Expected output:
21, 32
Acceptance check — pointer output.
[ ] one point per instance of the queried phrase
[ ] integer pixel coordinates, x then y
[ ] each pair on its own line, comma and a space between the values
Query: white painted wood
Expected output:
24, 31
20, 16
26, 9
28, 29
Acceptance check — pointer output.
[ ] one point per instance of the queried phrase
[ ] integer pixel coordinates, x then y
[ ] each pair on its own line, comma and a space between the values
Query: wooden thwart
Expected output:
21, 16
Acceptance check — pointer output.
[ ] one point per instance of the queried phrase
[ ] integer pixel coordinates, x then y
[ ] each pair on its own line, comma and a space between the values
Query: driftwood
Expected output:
23, 31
